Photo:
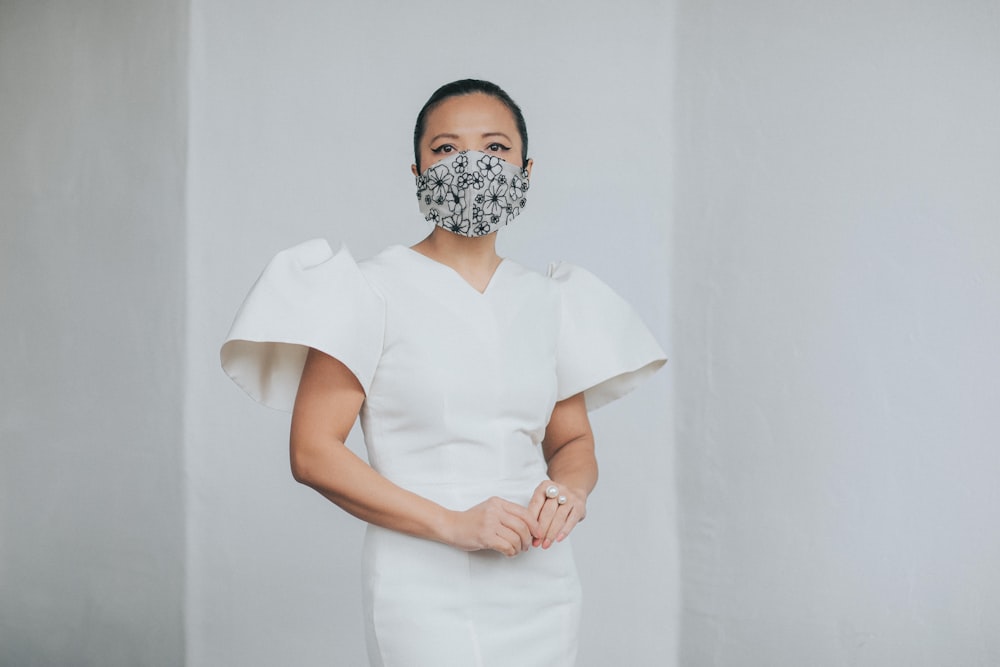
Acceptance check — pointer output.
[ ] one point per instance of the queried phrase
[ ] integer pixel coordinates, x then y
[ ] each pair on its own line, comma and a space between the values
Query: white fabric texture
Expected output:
458, 396
306, 297
604, 349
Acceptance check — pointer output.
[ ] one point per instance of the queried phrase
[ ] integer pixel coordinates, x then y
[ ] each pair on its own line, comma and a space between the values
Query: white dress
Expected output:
459, 388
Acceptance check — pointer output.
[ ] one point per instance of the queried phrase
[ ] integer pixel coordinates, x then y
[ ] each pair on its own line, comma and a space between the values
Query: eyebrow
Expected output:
497, 134
486, 135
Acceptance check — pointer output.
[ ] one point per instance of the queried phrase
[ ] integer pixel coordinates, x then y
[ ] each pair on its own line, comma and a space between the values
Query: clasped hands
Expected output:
510, 528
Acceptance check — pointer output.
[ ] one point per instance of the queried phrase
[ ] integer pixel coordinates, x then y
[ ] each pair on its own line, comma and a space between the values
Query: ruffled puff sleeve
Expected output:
306, 297
604, 350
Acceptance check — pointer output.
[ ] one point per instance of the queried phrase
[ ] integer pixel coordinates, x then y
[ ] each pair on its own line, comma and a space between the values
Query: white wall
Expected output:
835, 313
92, 125
301, 126
836, 332
835, 278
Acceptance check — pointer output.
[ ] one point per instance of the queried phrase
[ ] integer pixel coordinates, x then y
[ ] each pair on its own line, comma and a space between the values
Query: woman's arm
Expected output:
569, 450
326, 406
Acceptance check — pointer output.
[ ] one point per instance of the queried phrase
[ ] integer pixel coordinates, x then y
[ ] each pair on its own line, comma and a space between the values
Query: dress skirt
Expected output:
430, 605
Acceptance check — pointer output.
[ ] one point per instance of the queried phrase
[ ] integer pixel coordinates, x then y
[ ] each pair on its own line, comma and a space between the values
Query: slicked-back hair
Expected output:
468, 87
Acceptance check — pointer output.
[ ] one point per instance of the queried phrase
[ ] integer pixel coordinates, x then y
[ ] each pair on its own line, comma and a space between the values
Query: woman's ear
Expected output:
528, 165
413, 170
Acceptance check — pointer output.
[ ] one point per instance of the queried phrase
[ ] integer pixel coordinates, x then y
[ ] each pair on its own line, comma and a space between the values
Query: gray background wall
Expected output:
815, 182
837, 287
92, 264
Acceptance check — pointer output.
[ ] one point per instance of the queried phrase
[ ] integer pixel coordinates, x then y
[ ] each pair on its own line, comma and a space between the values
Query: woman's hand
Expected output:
556, 520
495, 524
568, 446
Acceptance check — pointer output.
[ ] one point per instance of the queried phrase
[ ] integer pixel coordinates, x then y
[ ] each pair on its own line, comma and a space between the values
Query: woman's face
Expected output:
474, 122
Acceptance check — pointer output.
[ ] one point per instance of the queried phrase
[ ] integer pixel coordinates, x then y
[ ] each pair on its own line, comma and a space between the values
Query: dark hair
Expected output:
468, 87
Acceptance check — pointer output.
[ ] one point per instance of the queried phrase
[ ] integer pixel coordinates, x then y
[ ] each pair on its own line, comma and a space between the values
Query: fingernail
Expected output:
560, 537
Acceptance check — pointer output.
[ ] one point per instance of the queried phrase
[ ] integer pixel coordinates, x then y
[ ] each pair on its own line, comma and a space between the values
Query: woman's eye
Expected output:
444, 148
495, 147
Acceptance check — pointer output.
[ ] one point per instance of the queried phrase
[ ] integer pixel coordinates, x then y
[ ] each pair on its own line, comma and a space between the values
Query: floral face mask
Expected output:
472, 193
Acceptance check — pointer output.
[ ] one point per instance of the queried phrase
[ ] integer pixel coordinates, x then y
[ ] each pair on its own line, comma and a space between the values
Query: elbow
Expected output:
300, 473
314, 461
303, 465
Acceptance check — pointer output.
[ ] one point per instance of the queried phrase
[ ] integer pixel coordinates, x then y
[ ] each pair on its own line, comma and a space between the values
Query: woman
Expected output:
472, 377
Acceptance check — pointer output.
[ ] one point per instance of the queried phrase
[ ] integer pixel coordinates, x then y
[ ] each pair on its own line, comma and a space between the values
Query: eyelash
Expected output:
495, 146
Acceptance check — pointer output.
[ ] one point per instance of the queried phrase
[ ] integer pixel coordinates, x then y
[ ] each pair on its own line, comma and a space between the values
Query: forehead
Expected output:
475, 113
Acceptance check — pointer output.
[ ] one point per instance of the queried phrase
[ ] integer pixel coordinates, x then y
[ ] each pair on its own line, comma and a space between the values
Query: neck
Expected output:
475, 259
460, 252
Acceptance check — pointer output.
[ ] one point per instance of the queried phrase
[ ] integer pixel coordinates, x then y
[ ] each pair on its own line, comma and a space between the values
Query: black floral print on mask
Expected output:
472, 193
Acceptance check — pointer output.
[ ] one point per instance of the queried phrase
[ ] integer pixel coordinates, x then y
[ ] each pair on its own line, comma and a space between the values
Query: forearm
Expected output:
574, 465
326, 407
342, 477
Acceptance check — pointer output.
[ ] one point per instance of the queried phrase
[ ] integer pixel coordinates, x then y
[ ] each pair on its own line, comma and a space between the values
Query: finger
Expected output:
520, 527
525, 515
538, 499
566, 517
553, 526
548, 514
507, 541
572, 519
558, 521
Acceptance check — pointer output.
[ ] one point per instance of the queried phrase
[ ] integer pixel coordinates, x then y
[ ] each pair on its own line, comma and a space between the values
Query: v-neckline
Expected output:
489, 284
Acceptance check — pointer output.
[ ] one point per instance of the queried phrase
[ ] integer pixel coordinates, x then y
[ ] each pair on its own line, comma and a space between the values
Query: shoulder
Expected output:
389, 259
529, 277
579, 288
576, 277
311, 263
605, 349
316, 261
319, 250
309, 253
307, 297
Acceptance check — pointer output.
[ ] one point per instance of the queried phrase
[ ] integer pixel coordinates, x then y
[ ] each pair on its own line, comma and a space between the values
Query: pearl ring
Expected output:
561, 500
552, 491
